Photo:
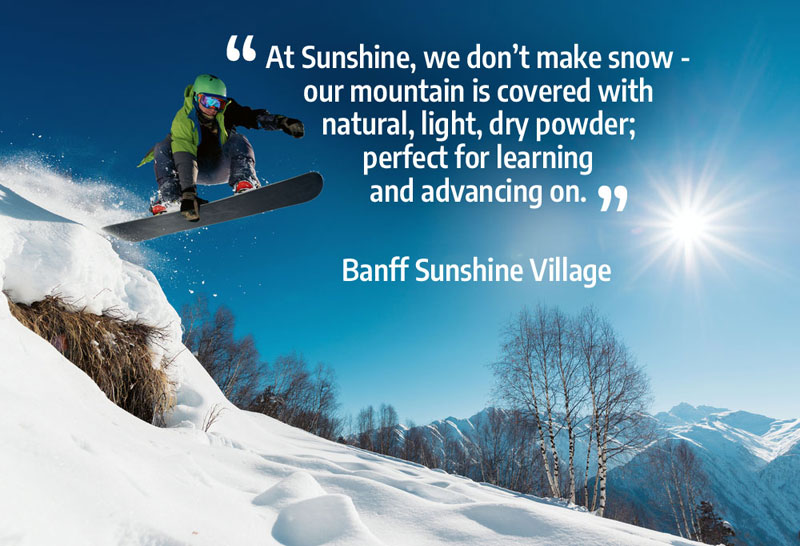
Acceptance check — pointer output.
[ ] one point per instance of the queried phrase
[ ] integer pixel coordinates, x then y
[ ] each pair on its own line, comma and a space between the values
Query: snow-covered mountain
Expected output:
76, 469
752, 463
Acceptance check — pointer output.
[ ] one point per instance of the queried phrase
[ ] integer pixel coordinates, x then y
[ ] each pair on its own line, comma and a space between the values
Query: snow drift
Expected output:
79, 470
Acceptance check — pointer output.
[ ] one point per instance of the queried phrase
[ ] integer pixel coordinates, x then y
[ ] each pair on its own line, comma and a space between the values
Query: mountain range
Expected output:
751, 463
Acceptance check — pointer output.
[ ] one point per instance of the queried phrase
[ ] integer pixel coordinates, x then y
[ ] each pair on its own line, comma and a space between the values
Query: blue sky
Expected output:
101, 84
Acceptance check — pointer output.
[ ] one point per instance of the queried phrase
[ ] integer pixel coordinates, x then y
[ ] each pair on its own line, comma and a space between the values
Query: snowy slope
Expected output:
76, 469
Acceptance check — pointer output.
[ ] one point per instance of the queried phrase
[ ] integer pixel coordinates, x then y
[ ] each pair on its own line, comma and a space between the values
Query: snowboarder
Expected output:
203, 146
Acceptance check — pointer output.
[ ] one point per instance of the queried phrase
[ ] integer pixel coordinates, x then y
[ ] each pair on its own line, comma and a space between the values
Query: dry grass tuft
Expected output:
115, 353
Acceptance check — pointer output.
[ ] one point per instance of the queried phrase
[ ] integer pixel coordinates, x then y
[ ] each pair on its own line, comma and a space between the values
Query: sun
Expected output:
690, 228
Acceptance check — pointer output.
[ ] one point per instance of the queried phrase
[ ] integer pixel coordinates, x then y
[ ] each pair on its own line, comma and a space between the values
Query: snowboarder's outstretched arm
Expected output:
249, 118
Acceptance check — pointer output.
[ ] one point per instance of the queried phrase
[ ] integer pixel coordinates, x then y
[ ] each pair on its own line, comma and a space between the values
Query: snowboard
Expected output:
285, 193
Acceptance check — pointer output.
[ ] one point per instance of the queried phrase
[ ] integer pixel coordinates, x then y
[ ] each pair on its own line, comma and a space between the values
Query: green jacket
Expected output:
184, 131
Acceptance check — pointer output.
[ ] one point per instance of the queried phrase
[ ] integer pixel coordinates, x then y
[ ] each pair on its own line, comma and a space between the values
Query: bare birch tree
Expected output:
622, 397
540, 330
366, 428
519, 381
587, 342
387, 430
567, 364
574, 377
677, 469
234, 364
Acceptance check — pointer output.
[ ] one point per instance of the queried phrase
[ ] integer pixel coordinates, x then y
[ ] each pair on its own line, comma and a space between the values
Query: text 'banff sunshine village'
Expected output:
552, 269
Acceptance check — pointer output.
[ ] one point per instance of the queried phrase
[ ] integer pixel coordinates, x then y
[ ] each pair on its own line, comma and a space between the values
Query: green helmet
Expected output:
206, 83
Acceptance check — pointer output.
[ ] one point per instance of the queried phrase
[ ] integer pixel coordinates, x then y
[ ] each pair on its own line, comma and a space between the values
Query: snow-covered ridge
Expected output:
79, 470
752, 465
764, 437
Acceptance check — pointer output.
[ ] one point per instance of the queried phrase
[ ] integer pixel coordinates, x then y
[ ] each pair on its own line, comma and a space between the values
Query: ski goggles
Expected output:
211, 101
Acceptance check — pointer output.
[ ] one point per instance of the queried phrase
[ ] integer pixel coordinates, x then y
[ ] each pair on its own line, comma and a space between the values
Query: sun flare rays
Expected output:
690, 228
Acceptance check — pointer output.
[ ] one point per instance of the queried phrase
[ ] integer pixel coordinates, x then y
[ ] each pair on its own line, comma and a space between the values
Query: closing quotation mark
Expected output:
248, 53
620, 192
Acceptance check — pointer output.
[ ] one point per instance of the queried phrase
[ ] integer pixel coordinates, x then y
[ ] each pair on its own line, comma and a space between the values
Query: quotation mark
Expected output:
620, 192
248, 53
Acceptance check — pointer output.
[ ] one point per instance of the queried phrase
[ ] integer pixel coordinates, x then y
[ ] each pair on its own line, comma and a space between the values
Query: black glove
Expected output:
291, 126
190, 204
265, 120
270, 122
